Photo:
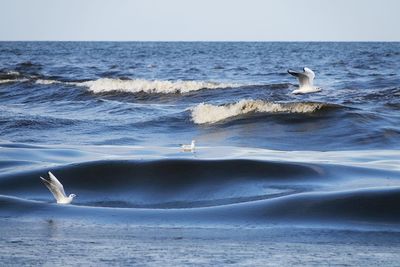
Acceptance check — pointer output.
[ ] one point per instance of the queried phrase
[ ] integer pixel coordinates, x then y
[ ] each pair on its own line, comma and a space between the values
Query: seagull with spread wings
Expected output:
306, 79
57, 189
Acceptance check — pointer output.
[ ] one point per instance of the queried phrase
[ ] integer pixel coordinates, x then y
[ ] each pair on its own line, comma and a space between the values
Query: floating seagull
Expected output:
189, 148
57, 189
306, 79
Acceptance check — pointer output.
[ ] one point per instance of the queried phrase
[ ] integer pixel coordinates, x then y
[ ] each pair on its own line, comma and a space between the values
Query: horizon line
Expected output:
216, 41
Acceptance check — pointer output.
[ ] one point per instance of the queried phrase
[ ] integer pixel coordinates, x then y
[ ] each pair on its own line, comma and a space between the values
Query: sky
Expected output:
200, 20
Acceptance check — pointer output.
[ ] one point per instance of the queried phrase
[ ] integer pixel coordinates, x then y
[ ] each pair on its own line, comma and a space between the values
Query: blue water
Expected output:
46, 99
273, 174
108, 120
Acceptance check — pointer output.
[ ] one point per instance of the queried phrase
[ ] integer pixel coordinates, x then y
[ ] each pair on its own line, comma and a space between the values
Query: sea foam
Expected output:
8, 81
46, 82
150, 86
208, 113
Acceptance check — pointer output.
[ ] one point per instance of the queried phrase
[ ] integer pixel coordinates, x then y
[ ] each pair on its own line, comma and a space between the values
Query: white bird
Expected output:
189, 148
57, 189
306, 79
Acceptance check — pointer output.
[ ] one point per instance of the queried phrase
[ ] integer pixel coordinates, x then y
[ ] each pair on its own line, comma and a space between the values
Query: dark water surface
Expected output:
108, 120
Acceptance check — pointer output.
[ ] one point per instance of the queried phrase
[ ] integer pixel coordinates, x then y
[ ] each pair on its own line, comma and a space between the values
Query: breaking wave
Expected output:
208, 113
9, 76
108, 85
46, 82
8, 81
105, 85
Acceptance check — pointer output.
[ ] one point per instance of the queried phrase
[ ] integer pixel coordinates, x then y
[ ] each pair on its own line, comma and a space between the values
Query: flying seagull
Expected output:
57, 189
189, 148
306, 79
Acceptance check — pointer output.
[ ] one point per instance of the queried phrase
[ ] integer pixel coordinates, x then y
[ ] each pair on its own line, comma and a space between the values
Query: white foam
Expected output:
46, 82
13, 80
207, 113
149, 86
13, 72
8, 81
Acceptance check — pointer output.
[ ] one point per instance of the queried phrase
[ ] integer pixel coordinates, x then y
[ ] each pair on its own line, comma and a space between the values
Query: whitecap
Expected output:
150, 86
208, 113
46, 82
8, 81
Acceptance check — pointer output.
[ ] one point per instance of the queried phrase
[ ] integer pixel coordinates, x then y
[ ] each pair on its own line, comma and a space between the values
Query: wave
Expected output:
37, 122
22, 73
8, 81
208, 113
109, 85
10, 76
46, 81
361, 208
106, 85
166, 183
201, 191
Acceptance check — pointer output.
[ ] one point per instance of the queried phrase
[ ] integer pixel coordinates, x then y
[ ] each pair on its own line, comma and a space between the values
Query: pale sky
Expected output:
200, 20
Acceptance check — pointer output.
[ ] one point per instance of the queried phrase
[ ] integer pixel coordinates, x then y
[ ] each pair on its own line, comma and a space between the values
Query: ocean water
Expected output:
108, 119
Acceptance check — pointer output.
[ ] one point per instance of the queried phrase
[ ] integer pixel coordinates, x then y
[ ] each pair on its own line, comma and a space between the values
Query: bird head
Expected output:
72, 196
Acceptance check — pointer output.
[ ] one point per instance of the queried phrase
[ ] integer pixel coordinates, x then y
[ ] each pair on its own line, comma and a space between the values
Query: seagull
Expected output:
306, 81
57, 189
189, 148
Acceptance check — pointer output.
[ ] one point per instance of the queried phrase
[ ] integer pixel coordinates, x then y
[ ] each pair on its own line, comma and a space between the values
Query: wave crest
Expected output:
208, 113
9, 76
46, 81
150, 86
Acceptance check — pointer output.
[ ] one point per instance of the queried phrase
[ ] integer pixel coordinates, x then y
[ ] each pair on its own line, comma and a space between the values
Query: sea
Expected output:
275, 178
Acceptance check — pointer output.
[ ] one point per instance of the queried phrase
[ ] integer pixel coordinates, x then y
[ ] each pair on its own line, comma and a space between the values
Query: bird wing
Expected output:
54, 186
57, 183
310, 74
53, 189
305, 78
